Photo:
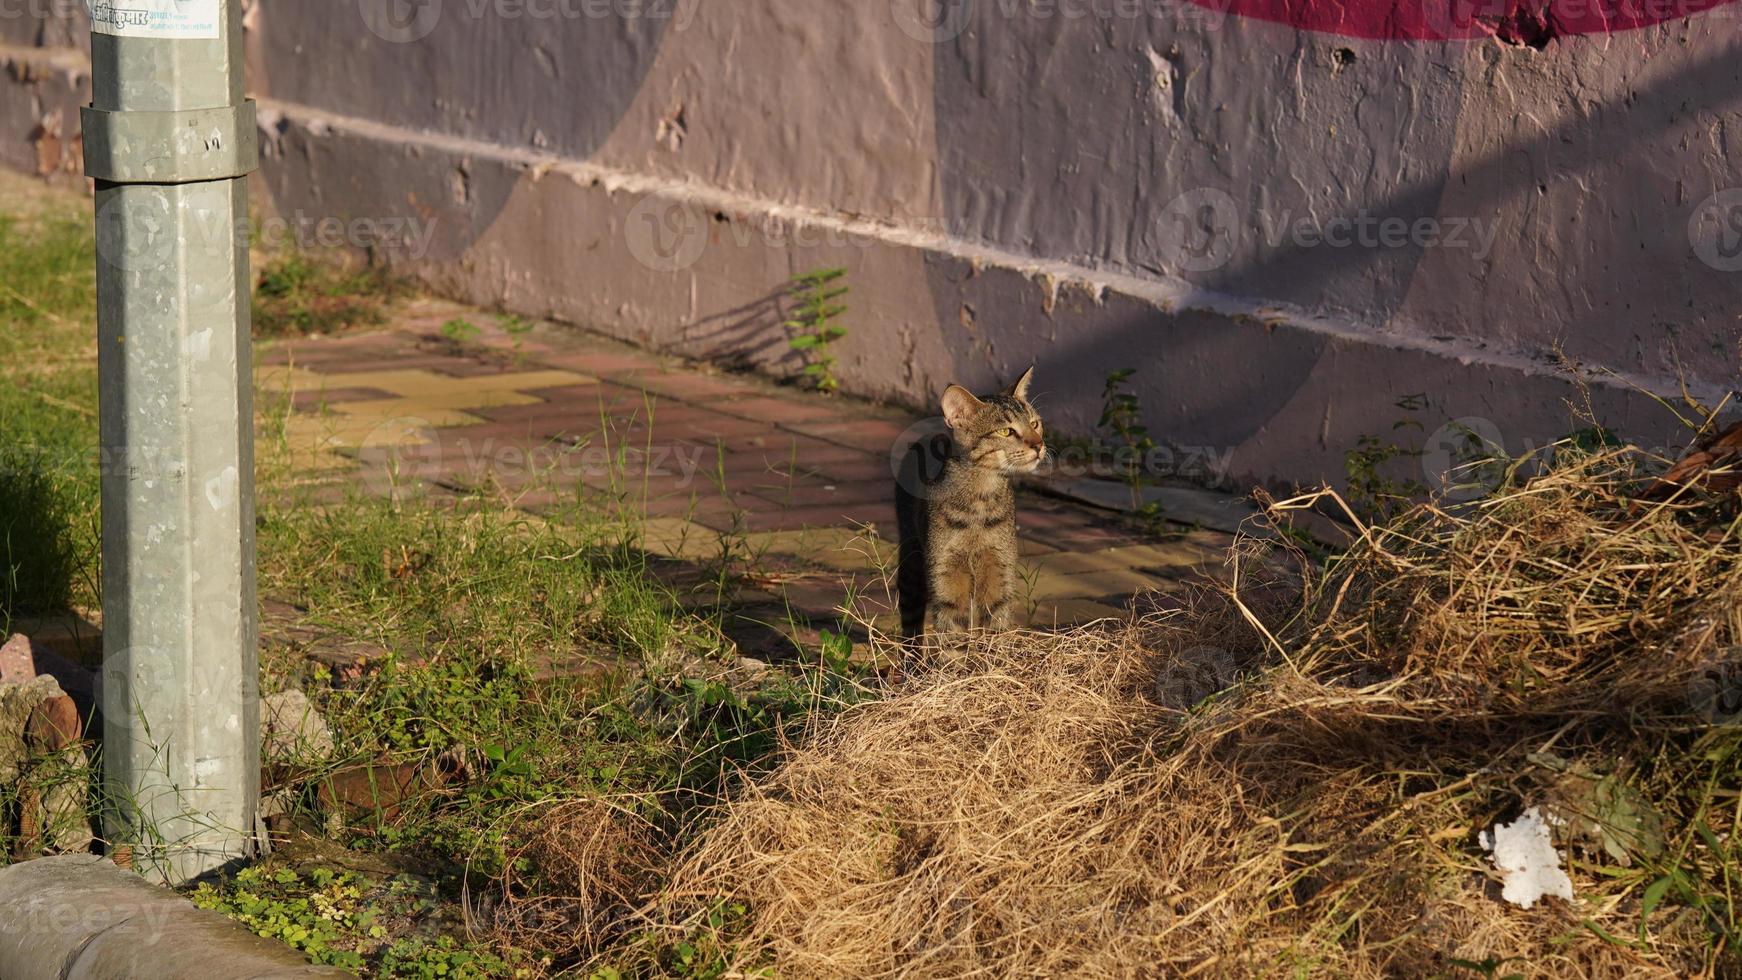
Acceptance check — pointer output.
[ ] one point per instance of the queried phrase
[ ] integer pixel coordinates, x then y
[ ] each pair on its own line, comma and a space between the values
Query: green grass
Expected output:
48, 390
529, 662
541, 657
346, 919
461, 331
296, 294
48, 424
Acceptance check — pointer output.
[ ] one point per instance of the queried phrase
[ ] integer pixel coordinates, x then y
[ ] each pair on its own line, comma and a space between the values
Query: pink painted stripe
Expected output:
1520, 21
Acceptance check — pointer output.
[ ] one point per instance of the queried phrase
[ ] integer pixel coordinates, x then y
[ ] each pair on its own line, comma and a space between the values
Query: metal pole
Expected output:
168, 139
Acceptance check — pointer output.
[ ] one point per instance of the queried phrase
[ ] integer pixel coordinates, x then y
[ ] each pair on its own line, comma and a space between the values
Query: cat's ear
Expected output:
960, 406
1020, 388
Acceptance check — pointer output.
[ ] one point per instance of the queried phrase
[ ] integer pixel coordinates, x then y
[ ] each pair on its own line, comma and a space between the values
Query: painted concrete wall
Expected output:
1289, 217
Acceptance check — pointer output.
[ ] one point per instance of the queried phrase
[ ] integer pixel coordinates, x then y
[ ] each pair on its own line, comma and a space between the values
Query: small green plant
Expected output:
708, 948
343, 919
461, 331
837, 651
315, 916
1122, 421
296, 294
814, 325
1489, 967
1373, 491
516, 327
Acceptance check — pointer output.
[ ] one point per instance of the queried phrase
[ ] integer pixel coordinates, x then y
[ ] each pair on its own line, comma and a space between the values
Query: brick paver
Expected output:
799, 481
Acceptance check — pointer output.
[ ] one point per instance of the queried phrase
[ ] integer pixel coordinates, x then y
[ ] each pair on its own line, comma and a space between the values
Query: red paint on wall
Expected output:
1532, 22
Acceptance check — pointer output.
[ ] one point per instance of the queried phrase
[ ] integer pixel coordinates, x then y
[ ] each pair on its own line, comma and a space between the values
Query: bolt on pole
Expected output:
168, 139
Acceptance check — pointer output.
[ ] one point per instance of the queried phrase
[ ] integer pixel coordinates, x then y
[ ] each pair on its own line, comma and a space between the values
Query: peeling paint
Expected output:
208, 771
197, 346
1049, 295
221, 489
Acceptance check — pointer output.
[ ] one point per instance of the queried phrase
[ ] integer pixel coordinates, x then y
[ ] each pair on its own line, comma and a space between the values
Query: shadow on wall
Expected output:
1209, 177
1226, 380
751, 335
1169, 108
1496, 181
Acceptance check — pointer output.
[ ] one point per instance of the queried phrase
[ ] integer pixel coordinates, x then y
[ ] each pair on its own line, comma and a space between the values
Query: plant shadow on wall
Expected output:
743, 337
789, 332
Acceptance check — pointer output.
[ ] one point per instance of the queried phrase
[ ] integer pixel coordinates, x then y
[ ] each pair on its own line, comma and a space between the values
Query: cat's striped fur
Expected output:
958, 528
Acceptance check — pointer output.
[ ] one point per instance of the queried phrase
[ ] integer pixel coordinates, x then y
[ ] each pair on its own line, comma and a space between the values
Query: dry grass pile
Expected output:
1073, 805
571, 885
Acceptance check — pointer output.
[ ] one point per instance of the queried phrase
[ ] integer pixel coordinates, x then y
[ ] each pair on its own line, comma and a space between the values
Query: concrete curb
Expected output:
79, 917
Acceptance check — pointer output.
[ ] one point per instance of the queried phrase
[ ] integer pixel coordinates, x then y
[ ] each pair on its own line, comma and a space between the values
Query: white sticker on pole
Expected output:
155, 18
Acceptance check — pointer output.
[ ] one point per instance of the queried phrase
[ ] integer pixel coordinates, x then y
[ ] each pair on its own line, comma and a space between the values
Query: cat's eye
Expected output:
1008, 432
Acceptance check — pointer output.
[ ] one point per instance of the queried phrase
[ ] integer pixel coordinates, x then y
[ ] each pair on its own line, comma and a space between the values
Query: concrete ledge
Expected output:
1246, 391
79, 917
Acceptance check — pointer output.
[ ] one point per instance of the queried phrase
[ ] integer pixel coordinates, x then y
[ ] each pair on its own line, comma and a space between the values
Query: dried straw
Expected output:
1055, 804
572, 883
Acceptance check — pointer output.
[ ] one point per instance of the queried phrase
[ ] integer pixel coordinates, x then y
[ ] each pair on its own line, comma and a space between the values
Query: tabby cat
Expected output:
957, 512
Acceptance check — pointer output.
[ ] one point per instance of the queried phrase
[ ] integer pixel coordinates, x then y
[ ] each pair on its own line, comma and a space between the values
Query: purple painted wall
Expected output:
1287, 232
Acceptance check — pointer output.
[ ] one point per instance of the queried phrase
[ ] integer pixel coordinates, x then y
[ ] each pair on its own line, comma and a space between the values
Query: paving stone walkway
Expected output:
798, 486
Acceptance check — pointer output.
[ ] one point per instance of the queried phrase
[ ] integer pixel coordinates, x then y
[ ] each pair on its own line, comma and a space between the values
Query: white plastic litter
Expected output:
1527, 860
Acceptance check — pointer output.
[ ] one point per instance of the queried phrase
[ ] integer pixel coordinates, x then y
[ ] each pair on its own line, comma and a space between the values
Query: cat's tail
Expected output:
910, 569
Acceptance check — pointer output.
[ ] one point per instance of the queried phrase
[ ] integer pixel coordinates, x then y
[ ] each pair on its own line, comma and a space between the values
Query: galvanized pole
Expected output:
168, 139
